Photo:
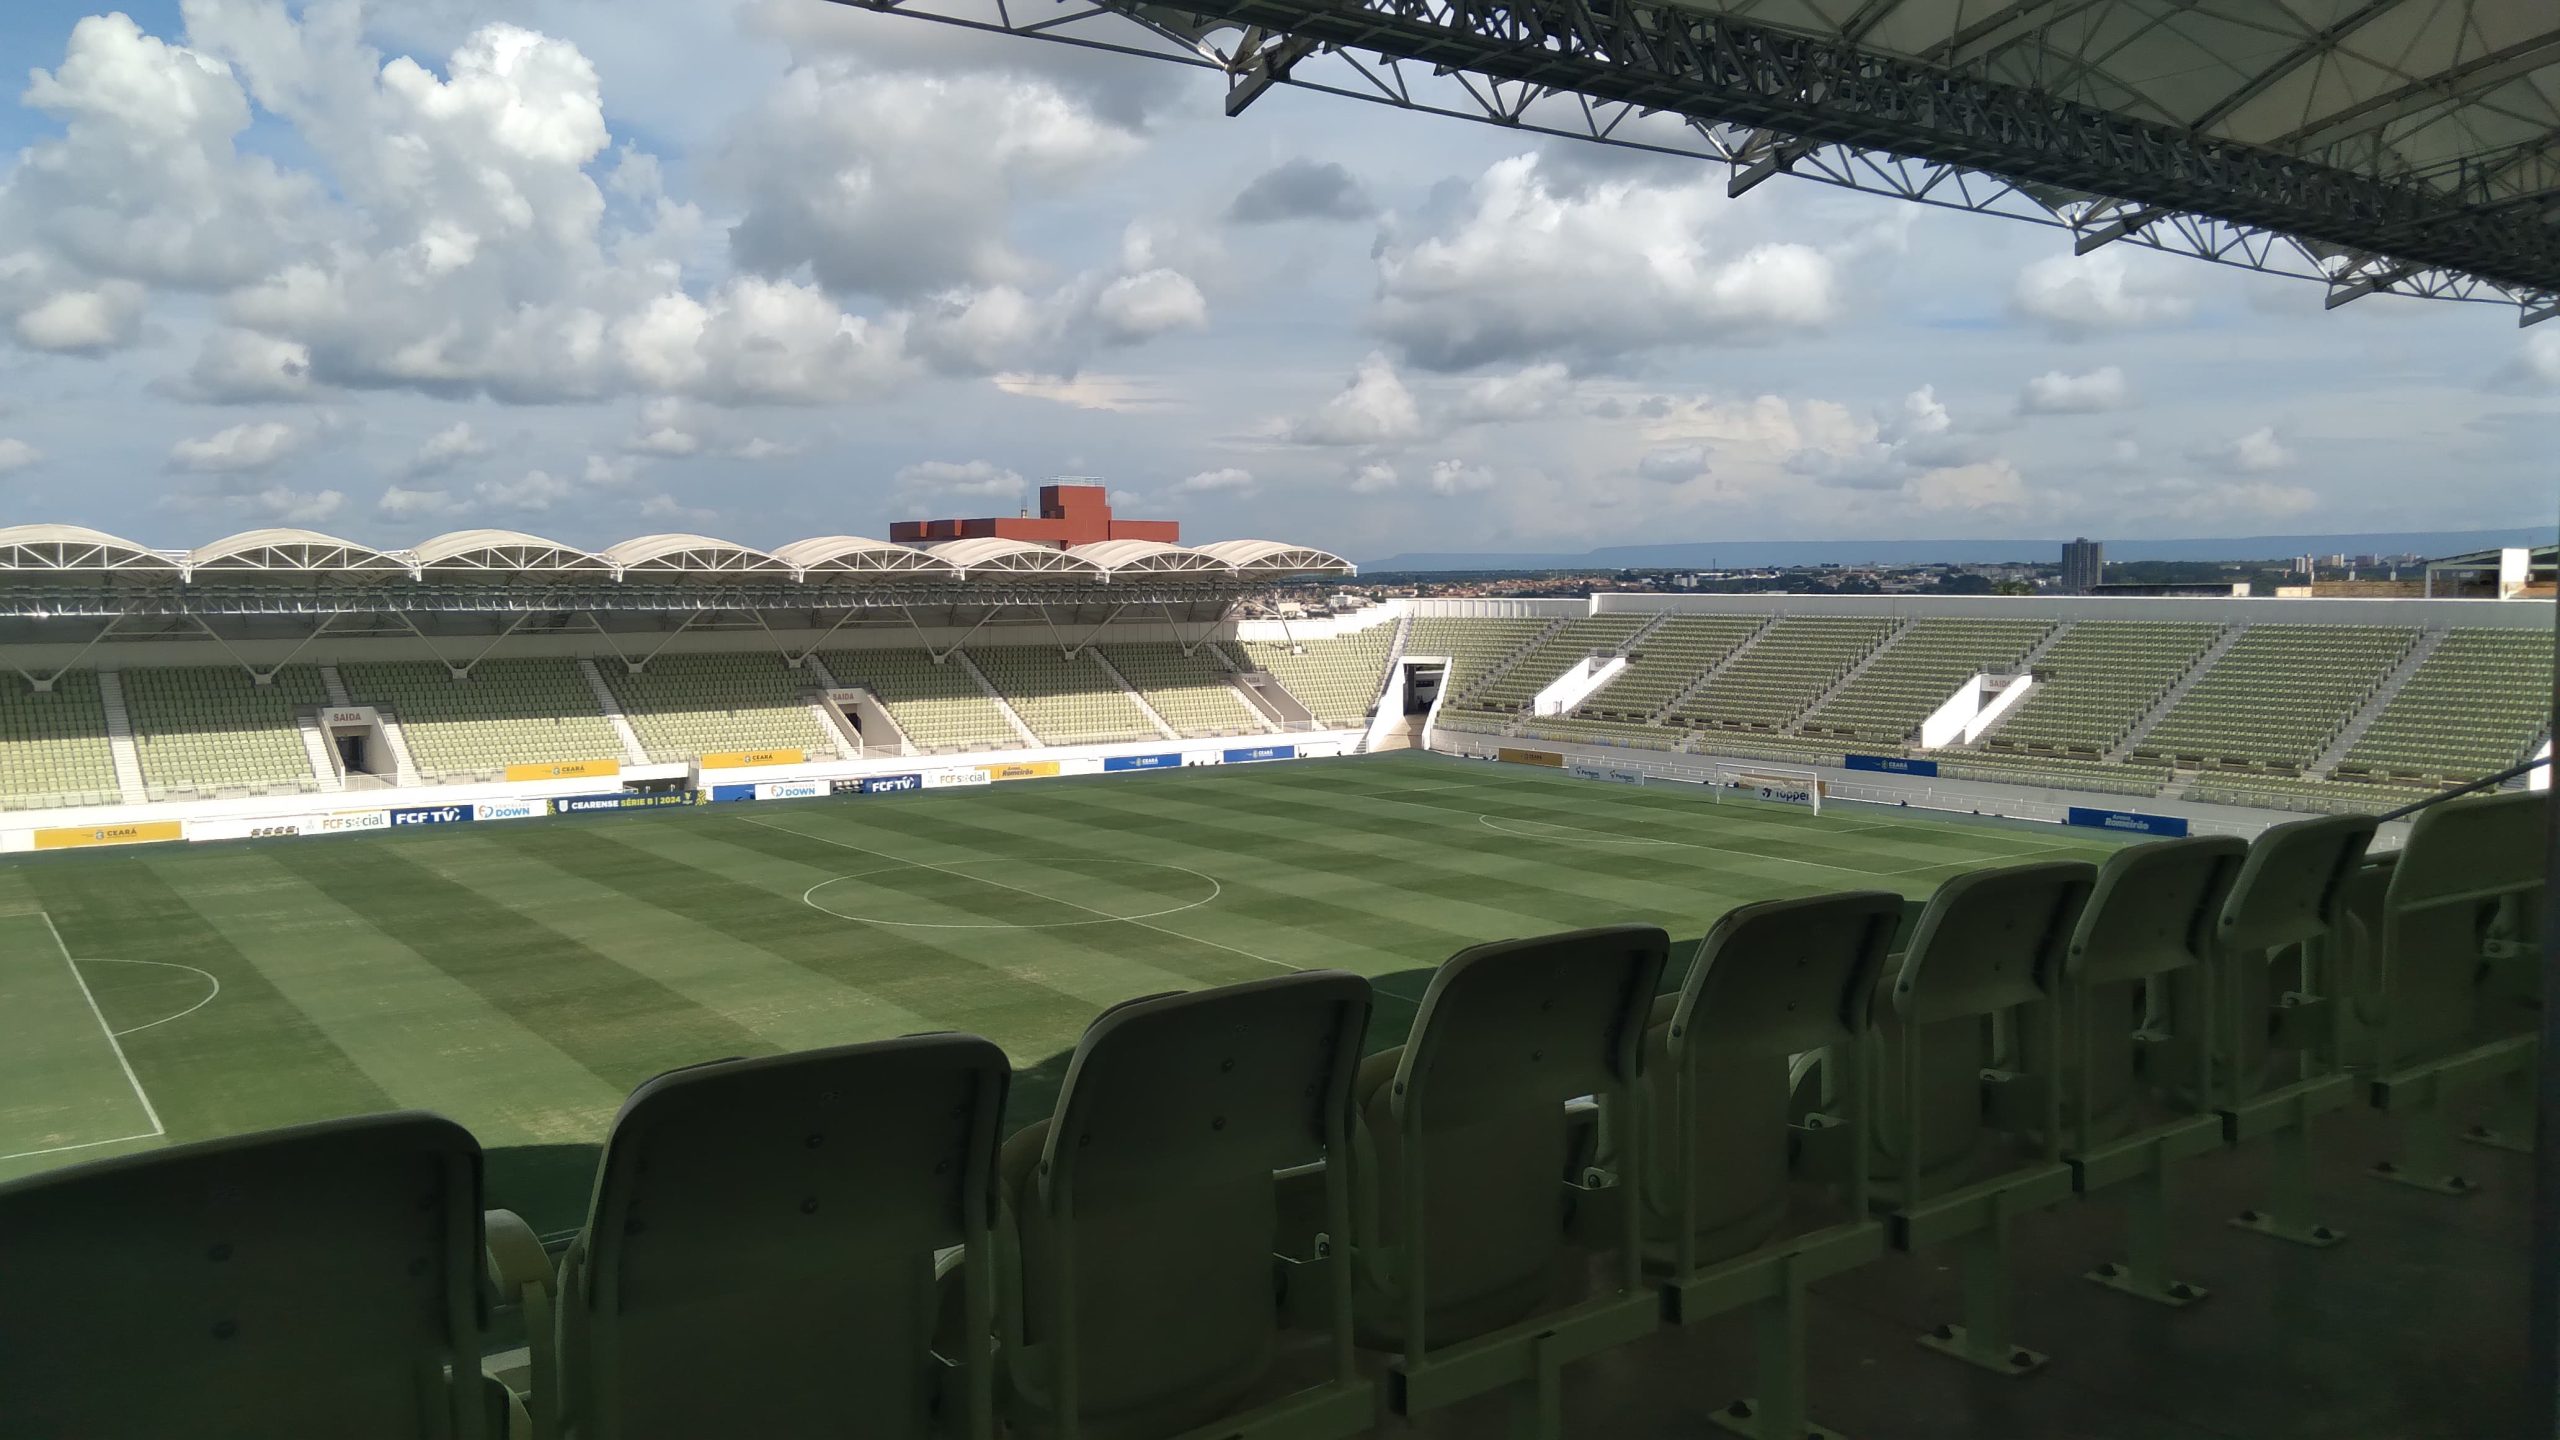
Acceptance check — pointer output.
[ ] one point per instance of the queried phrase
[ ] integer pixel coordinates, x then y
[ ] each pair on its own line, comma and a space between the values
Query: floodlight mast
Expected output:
1681, 78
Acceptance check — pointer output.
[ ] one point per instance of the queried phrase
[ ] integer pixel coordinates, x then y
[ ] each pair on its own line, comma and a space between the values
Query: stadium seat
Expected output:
1985, 953
1770, 981
2430, 1035
758, 1258
318, 1280
1461, 1190
2153, 913
1176, 1113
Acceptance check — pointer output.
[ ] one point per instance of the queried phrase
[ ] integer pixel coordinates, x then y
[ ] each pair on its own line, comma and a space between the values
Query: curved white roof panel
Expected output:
502, 550
1012, 557
677, 554
857, 554
1275, 557
289, 550
74, 547
1148, 557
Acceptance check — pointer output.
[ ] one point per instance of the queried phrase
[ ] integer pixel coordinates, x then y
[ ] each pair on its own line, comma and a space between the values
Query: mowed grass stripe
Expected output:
426, 1039
619, 1024
250, 1060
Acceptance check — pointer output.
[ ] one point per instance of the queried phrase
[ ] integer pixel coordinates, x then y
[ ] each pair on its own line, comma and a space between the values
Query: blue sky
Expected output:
780, 268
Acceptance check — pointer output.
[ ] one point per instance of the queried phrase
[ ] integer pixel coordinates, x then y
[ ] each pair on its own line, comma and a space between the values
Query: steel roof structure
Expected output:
2401, 146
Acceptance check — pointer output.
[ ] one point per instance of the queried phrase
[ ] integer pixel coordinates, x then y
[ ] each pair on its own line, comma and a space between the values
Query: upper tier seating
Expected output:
2278, 697
683, 706
940, 707
2474, 706
1667, 662
2097, 681
1605, 732
1551, 657
211, 727
1800, 657
508, 712
1474, 647
1192, 692
1338, 680
1919, 671
1065, 702
53, 745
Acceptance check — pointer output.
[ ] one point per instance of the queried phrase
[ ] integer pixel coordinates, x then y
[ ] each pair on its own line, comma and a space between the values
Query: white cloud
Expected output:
242, 366
668, 507
1674, 464
1373, 479
106, 316
2255, 453
2537, 365
970, 479
535, 490
240, 450
1533, 267
1229, 480
17, 455
1301, 189
295, 507
1155, 302
2057, 393
1375, 408
1458, 477
447, 448
1525, 394
2079, 294
399, 503
664, 431
759, 448
2180, 500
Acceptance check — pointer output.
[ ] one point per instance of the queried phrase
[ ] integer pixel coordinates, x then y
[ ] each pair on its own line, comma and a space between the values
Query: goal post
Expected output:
1771, 784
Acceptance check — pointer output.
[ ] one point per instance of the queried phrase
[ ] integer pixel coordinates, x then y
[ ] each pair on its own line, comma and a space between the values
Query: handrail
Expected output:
2483, 783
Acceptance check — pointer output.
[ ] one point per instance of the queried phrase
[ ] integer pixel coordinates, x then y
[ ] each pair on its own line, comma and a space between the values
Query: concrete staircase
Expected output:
633, 752
1004, 707
128, 761
403, 768
1262, 693
2037, 652
336, 685
1660, 619
848, 744
1711, 672
1153, 717
1831, 692
1395, 653
2383, 694
315, 747
2213, 654
1503, 666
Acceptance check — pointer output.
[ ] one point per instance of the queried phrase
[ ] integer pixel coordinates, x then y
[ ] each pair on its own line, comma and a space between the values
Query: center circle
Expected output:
1099, 910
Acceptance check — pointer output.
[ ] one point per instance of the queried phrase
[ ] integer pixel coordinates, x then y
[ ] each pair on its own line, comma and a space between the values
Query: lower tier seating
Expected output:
1064, 701
939, 706
1193, 692
53, 744
506, 712
682, 706
213, 728
1337, 679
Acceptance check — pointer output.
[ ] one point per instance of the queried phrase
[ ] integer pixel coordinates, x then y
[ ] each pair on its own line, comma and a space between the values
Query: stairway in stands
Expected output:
2383, 695
2220, 647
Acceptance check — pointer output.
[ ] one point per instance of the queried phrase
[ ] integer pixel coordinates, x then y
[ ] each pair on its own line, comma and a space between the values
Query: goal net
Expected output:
1774, 784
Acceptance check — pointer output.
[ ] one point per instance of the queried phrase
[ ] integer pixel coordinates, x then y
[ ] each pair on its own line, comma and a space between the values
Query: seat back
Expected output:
1464, 1145
318, 1280
2277, 929
2153, 912
1990, 943
1771, 981
1176, 1111
759, 1255
2464, 863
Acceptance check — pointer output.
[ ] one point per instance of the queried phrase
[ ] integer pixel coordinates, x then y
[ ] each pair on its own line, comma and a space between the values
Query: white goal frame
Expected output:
1771, 784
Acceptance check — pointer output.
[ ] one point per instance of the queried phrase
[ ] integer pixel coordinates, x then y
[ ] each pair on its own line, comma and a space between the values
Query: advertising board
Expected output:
564, 769
880, 784
1604, 772
433, 815
963, 775
726, 794
2129, 822
1112, 763
347, 822
1548, 758
619, 800
1252, 753
258, 827
1022, 770
790, 789
1890, 764
746, 759
510, 809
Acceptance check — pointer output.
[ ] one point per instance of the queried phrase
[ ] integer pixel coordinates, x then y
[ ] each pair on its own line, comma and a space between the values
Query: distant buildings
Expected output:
2084, 565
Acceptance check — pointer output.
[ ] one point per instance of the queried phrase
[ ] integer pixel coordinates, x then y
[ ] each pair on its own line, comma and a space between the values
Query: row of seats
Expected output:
1066, 700
1194, 691
206, 729
1606, 732
2278, 697
1475, 648
2099, 680
2477, 704
1229, 1207
2057, 771
1337, 678
682, 706
1794, 661
1918, 671
1668, 662
53, 744
937, 704
502, 712
1552, 656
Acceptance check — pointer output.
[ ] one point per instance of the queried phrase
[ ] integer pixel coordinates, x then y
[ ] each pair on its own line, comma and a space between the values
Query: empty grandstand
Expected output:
2476, 704
683, 706
54, 749
1066, 700
1336, 678
208, 729
938, 704
2096, 683
1475, 648
1784, 671
1195, 692
1542, 663
1917, 672
2277, 698
501, 712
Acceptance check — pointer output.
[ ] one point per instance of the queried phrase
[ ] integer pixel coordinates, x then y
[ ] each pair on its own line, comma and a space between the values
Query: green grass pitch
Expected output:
522, 976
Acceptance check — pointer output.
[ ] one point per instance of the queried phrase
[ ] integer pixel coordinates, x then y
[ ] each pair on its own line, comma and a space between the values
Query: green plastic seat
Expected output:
318, 1280
1143, 1294
1461, 1192
759, 1256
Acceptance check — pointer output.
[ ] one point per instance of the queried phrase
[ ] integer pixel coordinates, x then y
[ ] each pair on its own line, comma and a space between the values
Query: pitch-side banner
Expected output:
1022, 770
1548, 758
564, 770
138, 832
749, 759
1252, 753
2129, 822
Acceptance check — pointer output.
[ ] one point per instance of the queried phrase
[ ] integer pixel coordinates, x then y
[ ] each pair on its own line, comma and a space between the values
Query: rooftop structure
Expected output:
1070, 515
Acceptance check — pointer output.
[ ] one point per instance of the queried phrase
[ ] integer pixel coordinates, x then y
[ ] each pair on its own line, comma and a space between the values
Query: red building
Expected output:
1070, 515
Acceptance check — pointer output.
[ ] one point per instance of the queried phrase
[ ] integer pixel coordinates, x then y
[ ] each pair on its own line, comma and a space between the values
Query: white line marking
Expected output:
83, 1145
165, 965
808, 897
1689, 845
113, 1043
1496, 822
896, 860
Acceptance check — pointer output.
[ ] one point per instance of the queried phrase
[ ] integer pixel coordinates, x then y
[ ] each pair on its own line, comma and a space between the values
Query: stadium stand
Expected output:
2059, 771
1605, 732
2278, 697
507, 712
2294, 792
1337, 679
1475, 648
2096, 683
213, 728
939, 707
1064, 701
1192, 692
53, 744
702, 704
2476, 705
1551, 657
1669, 661
1918, 671
1800, 657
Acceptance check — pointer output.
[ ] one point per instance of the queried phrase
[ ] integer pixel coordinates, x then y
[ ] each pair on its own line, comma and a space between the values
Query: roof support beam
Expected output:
2368, 284
2441, 87
1991, 34
2319, 44
2125, 223
1780, 157
1268, 67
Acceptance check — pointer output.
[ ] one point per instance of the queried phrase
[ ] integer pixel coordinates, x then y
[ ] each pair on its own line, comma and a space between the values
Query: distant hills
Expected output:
1735, 554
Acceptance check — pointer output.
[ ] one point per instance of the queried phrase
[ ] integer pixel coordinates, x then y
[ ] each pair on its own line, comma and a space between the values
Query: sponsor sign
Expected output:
1602, 772
510, 809
1200, 757
349, 716
746, 759
347, 822
724, 794
1776, 789
965, 775
134, 834
1891, 764
620, 800
791, 789
2130, 822
1551, 759
564, 769
1022, 770
432, 815
261, 828
1320, 750
881, 784
1141, 762
1252, 753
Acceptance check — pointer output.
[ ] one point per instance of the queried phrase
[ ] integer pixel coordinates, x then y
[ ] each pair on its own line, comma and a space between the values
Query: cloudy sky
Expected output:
772, 268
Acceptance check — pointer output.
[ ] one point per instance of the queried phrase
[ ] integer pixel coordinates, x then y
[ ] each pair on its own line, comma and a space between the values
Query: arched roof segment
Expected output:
679, 554
272, 550
1275, 557
857, 554
1147, 557
74, 547
502, 550
1012, 557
